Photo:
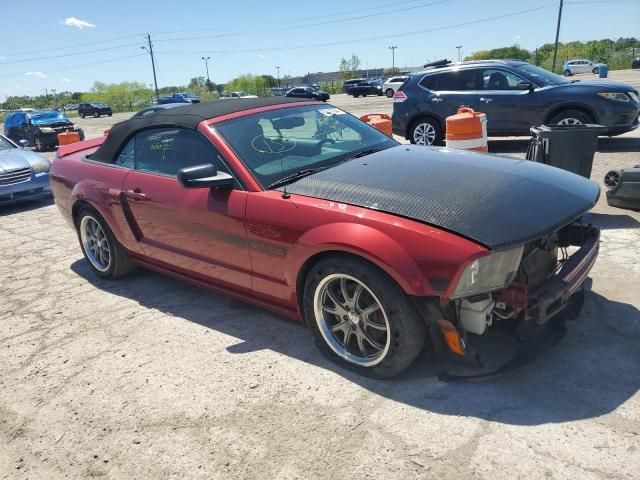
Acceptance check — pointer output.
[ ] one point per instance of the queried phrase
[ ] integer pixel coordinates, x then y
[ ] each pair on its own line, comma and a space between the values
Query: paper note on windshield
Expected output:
331, 111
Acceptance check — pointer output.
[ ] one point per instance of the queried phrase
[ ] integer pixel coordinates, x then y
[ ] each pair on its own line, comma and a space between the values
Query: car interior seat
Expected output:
497, 81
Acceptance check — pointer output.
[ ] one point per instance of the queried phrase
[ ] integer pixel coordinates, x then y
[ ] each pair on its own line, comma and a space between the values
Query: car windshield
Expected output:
243, 94
98, 105
5, 144
542, 77
280, 143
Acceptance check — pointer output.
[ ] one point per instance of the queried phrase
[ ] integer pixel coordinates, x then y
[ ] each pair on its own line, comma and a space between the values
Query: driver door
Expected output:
198, 231
509, 110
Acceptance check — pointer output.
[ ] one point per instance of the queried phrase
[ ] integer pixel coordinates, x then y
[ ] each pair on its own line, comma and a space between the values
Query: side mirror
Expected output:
23, 143
525, 86
205, 176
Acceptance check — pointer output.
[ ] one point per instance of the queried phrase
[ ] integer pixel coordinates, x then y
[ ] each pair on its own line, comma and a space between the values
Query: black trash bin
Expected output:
570, 147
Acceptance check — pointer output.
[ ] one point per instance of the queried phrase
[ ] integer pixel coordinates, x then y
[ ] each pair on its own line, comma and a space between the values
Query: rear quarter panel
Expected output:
75, 179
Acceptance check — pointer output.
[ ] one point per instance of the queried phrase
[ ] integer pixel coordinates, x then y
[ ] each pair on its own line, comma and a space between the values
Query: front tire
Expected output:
567, 73
360, 318
106, 257
596, 71
389, 93
96, 115
426, 131
571, 117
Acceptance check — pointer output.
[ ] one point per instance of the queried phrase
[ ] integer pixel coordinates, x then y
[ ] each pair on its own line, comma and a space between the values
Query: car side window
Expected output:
167, 150
498, 79
457, 80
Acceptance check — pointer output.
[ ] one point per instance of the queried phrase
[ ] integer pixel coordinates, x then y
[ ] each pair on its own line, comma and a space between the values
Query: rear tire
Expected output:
389, 93
104, 254
426, 131
82, 115
96, 115
571, 117
342, 328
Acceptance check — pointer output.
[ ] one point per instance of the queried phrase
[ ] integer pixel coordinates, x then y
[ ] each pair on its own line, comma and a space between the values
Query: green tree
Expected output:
349, 67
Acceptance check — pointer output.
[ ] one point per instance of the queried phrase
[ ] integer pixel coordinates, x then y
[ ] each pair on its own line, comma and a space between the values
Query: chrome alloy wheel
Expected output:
569, 121
351, 320
95, 243
424, 134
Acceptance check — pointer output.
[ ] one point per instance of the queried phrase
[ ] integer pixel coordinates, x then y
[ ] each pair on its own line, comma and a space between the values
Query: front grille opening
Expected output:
15, 176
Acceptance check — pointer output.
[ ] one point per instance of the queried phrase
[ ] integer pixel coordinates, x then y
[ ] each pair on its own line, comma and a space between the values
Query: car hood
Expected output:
497, 202
18, 158
603, 85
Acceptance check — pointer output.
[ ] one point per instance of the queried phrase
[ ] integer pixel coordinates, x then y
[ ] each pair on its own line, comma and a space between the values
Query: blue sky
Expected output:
101, 40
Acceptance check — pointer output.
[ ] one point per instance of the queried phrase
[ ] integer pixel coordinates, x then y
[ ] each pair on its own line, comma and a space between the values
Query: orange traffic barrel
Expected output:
65, 138
378, 120
467, 130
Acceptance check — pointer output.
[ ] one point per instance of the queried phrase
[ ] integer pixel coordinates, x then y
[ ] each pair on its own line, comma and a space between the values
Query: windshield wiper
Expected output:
295, 176
308, 171
362, 153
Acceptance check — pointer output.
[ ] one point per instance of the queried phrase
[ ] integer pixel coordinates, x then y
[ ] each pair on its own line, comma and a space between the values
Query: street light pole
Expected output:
459, 47
206, 65
393, 58
278, 69
153, 63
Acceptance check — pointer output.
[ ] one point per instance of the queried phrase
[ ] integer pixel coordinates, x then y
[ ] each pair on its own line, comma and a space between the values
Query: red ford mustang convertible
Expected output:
301, 208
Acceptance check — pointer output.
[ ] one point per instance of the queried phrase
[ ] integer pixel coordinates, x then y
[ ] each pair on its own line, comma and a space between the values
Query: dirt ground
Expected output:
148, 377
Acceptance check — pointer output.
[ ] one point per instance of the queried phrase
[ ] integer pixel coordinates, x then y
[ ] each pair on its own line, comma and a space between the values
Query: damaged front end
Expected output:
538, 286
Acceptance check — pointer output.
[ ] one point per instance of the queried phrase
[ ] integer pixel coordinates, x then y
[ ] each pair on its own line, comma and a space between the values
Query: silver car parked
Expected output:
24, 175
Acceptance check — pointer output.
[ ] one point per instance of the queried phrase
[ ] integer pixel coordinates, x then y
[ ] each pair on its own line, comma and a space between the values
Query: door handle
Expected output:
136, 195
486, 100
436, 99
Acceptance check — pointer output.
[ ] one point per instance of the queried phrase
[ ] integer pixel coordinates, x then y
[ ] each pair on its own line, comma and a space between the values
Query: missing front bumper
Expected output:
544, 310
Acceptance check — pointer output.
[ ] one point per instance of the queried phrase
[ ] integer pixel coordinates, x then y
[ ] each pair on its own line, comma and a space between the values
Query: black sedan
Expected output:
308, 92
364, 89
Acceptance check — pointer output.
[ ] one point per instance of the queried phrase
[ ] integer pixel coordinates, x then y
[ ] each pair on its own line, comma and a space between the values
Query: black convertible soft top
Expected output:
187, 116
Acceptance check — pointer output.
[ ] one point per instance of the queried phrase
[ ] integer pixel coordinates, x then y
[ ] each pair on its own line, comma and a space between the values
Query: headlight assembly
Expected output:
619, 97
46, 129
41, 166
488, 273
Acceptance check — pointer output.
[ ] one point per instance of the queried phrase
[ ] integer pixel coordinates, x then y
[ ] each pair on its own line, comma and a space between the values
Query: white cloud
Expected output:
262, 56
517, 37
35, 74
65, 80
76, 22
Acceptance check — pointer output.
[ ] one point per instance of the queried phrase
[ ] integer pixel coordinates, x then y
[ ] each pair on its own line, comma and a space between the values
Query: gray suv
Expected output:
515, 95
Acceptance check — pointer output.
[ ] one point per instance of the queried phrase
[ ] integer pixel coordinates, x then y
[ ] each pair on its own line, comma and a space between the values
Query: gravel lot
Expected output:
148, 377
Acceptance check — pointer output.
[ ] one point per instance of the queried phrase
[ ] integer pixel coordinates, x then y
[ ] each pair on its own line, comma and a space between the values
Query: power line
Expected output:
368, 39
71, 67
315, 17
72, 54
306, 25
57, 49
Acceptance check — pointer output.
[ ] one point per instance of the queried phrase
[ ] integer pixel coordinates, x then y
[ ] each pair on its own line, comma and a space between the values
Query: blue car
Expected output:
24, 175
515, 96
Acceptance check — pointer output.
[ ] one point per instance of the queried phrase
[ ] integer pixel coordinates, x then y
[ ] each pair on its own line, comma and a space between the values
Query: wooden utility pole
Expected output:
555, 50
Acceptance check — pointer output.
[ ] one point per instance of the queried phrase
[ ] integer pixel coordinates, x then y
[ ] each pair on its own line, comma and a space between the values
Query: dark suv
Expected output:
94, 109
515, 95
40, 129
364, 89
